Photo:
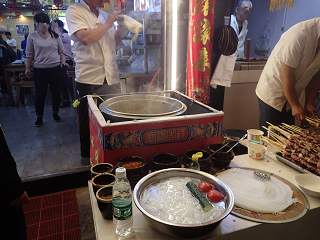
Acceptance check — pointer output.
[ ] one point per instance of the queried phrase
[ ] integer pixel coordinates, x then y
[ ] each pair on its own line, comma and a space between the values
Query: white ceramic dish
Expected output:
256, 151
309, 183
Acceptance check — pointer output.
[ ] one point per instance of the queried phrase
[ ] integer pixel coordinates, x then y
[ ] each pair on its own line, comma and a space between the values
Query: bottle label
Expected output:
122, 212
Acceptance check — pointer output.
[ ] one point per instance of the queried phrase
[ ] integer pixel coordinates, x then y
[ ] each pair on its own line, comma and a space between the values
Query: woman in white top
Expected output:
45, 48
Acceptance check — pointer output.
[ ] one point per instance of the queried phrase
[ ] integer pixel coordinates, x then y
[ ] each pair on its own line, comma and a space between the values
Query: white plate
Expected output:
310, 184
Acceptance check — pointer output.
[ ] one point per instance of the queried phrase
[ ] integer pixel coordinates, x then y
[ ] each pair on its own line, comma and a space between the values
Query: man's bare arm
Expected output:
89, 36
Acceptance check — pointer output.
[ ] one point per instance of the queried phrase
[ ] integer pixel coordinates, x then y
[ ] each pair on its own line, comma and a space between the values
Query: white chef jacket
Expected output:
241, 36
97, 60
296, 48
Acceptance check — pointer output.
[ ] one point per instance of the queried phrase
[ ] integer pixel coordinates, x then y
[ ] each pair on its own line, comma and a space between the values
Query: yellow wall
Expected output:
11, 27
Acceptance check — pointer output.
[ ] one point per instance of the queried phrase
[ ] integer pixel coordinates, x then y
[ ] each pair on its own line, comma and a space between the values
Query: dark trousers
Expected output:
66, 83
83, 117
42, 77
12, 223
273, 116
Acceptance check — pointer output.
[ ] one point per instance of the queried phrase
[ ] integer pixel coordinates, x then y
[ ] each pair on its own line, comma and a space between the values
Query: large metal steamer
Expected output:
145, 124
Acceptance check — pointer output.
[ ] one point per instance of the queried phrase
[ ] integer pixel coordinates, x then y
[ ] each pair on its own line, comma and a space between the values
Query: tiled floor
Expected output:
48, 157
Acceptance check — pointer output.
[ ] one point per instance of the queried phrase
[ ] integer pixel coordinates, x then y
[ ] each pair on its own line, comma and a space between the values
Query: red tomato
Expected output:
214, 196
204, 186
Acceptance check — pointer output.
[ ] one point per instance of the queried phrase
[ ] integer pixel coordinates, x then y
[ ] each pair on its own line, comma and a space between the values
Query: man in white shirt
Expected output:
11, 42
239, 23
293, 66
94, 36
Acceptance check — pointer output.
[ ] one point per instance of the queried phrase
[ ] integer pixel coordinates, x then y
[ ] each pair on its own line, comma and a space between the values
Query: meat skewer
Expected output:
302, 147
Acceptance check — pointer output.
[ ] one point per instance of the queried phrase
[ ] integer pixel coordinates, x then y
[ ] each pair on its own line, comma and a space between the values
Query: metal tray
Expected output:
291, 164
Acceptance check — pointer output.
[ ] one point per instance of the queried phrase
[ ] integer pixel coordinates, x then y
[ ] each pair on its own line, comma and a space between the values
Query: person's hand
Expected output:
311, 111
298, 112
23, 199
28, 73
3, 46
64, 65
54, 24
111, 18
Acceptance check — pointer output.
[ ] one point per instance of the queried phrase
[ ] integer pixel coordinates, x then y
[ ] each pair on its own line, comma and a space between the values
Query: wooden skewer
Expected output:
294, 128
276, 145
276, 136
312, 119
313, 123
279, 129
272, 142
287, 129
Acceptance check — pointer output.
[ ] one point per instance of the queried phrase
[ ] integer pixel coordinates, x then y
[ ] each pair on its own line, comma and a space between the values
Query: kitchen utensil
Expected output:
210, 156
221, 158
237, 142
263, 175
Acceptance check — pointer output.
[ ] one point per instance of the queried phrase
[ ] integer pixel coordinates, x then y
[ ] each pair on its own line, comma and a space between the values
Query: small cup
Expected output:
134, 174
104, 200
254, 134
220, 158
103, 180
256, 151
165, 160
101, 168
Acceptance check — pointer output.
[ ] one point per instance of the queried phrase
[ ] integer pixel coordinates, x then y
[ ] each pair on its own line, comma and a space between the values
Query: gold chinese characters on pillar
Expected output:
278, 4
201, 18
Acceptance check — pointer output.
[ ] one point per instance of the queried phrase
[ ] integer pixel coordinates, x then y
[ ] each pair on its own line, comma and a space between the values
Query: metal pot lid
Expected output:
142, 106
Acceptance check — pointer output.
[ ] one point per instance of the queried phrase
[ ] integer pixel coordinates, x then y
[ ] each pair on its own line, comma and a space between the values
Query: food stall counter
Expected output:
232, 226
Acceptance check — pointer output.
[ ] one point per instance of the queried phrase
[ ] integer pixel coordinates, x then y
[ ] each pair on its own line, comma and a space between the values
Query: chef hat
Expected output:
228, 40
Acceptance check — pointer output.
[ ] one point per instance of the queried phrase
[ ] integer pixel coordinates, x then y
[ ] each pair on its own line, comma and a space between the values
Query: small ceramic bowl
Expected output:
100, 168
309, 183
221, 158
165, 160
136, 168
256, 151
104, 200
102, 180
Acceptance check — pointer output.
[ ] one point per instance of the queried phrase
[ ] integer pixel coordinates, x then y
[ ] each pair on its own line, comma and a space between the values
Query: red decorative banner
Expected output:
201, 15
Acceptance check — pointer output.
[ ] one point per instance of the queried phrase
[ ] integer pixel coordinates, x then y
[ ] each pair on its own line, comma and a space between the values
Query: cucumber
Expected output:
205, 204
